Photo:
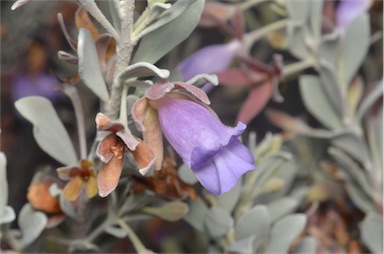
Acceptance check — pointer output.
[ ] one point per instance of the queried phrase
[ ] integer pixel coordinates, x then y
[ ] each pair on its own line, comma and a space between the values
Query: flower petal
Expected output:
109, 175
73, 188
210, 59
195, 91
145, 158
200, 154
221, 173
103, 150
64, 173
159, 90
103, 123
187, 125
127, 137
85, 164
91, 187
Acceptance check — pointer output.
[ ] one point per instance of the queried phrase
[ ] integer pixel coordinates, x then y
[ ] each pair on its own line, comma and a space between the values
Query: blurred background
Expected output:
30, 39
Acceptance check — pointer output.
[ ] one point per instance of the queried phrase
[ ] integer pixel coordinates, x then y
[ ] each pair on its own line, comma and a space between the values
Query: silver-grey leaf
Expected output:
329, 48
369, 100
354, 146
317, 102
3, 183
281, 207
355, 48
243, 246
171, 211
197, 213
89, 67
159, 42
359, 197
218, 221
307, 245
298, 9
296, 34
143, 69
372, 232
229, 199
165, 16
254, 222
186, 174
331, 87
315, 18
31, 223
284, 232
48, 130
7, 215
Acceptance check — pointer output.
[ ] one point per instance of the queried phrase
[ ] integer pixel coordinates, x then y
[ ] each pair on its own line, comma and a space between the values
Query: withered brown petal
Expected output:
91, 186
103, 123
144, 156
138, 113
64, 173
41, 199
103, 150
85, 164
127, 137
73, 188
109, 175
153, 136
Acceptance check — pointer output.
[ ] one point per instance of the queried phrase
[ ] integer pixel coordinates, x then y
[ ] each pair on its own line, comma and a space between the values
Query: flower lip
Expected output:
200, 155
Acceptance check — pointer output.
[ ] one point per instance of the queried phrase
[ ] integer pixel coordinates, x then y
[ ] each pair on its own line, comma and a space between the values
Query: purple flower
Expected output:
211, 149
41, 84
348, 10
210, 59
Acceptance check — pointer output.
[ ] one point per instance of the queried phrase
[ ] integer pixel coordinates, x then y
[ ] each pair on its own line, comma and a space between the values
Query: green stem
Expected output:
140, 248
123, 106
99, 230
251, 37
298, 66
73, 95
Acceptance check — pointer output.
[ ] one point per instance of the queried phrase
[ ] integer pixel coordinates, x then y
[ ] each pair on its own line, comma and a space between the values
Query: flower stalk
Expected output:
73, 95
124, 52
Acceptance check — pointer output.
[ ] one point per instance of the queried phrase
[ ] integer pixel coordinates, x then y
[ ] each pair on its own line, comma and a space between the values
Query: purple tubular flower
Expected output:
348, 10
211, 149
210, 59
